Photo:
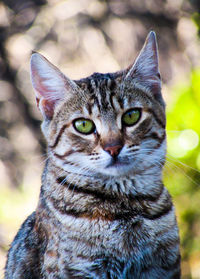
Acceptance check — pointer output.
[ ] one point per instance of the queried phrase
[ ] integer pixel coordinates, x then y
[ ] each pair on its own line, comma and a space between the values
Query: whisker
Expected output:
174, 131
184, 173
181, 163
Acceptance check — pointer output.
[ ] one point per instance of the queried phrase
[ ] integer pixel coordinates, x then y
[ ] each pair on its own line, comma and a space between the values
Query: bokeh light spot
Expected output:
188, 139
182, 142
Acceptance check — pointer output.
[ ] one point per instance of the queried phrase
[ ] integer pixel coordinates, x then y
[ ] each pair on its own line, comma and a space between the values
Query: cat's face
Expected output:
113, 135
110, 124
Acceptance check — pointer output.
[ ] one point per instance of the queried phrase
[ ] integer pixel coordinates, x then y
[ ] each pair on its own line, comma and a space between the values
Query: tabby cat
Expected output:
103, 210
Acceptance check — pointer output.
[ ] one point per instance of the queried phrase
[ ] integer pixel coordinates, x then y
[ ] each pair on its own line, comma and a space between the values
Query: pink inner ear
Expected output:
49, 84
45, 102
42, 90
47, 107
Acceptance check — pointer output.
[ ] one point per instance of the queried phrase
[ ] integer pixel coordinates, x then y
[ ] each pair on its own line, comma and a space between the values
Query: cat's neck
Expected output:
146, 182
107, 199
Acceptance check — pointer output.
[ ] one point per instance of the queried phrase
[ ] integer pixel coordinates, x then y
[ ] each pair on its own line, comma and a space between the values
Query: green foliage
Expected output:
182, 173
196, 19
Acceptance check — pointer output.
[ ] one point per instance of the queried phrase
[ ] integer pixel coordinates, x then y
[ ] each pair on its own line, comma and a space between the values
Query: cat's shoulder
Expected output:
25, 248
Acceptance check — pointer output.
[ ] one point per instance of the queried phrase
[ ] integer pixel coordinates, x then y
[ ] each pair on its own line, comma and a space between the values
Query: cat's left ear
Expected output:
145, 71
50, 84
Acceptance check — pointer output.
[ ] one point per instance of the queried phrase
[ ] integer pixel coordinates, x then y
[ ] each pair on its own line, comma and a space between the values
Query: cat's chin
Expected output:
117, 169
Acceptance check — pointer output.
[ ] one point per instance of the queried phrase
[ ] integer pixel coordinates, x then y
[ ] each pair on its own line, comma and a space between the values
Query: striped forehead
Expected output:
105, 97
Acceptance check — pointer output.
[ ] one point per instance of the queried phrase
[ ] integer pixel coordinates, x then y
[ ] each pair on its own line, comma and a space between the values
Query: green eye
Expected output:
131, 117
84, 126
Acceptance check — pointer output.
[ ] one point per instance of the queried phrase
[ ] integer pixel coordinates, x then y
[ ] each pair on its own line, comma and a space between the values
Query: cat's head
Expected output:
108, 124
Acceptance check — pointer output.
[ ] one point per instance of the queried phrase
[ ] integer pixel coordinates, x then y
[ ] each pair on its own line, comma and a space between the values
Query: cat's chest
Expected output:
81, 243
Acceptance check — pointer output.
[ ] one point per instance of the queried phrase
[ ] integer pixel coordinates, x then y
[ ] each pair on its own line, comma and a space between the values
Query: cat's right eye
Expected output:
84, 126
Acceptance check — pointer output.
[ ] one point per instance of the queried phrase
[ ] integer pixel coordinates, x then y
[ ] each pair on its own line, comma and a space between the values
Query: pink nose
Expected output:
113, 150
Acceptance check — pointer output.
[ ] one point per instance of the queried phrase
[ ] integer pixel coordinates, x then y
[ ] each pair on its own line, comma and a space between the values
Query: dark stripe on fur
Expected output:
152, 197
154, 135
111, 100
104, 196
177, 259
143, 127
161, 123
59, 136
165, 210
89, 108
97, 194
160, 142
91, 212
67, 153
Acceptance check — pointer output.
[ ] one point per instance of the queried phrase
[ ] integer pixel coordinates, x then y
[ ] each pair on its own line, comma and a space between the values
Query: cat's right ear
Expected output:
50, 84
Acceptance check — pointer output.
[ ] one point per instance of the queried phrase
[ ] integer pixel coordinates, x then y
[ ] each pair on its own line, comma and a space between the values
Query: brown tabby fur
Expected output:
103, 210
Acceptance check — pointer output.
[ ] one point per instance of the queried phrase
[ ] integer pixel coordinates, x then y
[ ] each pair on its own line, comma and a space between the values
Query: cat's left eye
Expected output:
131, 117
84, 126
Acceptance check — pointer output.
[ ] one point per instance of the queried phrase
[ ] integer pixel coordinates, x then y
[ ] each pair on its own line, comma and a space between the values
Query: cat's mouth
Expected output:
115, 162
117, 167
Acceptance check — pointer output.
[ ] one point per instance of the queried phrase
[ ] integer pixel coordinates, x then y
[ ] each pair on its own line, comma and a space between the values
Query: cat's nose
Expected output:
113, 150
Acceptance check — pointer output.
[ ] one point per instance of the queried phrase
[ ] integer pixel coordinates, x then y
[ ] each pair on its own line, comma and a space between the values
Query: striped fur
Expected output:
100, 215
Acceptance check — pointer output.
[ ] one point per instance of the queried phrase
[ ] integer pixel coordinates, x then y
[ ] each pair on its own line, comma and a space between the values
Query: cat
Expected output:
103, 210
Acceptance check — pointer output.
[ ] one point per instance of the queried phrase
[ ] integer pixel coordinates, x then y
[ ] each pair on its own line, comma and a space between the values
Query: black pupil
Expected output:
83, 123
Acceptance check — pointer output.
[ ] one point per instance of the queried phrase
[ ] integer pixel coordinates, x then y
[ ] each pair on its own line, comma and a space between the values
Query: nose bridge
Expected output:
110, 132
109, 126
112, 141
111, 138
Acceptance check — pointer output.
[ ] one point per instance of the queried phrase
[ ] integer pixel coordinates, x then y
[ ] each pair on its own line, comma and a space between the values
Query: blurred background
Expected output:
81, 37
